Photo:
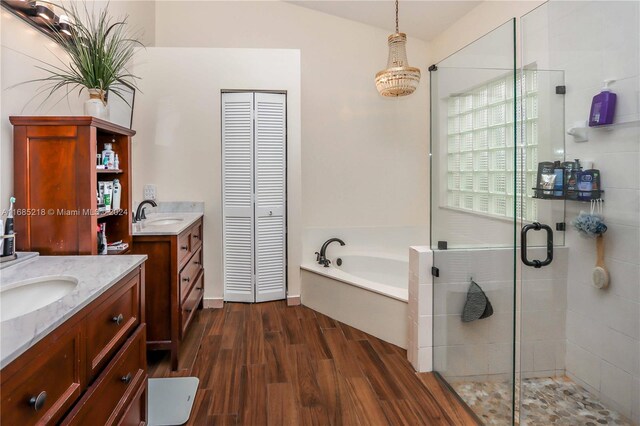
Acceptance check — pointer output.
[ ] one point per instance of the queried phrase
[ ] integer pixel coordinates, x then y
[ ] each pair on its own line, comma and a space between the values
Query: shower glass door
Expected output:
474, 204
541, 256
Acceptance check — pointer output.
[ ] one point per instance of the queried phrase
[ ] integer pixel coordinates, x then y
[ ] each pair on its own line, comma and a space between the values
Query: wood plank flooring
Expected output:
270, 364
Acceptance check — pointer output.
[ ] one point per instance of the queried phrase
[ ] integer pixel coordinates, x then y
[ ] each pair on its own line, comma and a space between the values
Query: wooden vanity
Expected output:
175, 285
90, 370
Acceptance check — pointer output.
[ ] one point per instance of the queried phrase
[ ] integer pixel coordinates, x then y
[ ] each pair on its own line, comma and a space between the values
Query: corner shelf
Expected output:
569, 195
109, 171
111, 213
618, 124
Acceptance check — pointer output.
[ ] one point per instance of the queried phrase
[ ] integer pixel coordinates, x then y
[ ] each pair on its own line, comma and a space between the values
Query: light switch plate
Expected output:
150, 192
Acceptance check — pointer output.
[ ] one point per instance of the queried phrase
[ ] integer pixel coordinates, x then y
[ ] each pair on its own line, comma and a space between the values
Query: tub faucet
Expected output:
140, 212
321, 257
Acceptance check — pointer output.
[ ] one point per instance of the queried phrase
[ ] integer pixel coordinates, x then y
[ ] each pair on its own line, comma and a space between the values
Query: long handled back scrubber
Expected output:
600, 274
592, 225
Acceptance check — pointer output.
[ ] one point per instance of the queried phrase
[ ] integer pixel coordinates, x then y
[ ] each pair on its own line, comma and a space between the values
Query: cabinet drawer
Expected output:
184, 248
190, 305
109, 325
107, 400
136, 413
190, 273
46, 386
196, 236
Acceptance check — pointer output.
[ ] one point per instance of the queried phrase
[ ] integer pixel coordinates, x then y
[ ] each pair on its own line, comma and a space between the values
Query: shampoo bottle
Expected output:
558, 183
603, 106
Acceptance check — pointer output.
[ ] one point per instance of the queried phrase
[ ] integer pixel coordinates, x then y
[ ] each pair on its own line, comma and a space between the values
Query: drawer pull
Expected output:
196, 262
118, 319
186, 279
37, 402
198, 288
126, 379
184, 247
196, 236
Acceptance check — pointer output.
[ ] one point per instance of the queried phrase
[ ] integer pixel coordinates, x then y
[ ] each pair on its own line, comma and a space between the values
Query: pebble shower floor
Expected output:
546, 401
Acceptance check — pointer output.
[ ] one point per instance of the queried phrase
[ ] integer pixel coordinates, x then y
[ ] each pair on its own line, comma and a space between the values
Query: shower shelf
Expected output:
569, 195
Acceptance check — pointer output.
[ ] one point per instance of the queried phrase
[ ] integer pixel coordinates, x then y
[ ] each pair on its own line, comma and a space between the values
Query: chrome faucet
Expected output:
140, 215
321, 257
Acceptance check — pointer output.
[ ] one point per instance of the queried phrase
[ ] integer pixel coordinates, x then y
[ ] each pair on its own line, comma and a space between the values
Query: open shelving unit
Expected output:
56, 182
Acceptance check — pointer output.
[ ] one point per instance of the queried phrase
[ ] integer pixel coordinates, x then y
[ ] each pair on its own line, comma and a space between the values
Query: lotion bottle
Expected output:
117, 192
603, 106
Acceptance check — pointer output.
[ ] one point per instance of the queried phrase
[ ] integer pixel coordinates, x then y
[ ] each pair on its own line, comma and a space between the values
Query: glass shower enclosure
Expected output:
504, 326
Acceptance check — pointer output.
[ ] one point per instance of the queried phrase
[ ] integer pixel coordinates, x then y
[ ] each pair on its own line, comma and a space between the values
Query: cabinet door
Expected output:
237, 196
270, 191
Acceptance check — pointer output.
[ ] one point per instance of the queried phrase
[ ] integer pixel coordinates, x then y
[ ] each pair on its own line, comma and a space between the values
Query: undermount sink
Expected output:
163, 221
30, 295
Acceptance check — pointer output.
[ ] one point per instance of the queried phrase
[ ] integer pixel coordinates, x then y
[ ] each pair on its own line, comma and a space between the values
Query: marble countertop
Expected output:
147, 228
21, 256
95, 275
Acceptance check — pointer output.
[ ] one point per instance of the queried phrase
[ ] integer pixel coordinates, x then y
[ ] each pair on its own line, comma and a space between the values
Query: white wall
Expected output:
364, 158
603, 326
22, 49
487, 16
178, 144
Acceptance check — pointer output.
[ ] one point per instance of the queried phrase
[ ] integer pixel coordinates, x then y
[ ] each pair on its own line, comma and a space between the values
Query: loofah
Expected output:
590, 225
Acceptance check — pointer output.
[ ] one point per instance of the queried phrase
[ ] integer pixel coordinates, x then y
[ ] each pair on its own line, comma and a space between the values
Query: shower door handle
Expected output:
536, 226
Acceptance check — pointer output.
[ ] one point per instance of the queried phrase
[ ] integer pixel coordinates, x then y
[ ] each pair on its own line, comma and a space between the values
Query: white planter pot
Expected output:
95, 106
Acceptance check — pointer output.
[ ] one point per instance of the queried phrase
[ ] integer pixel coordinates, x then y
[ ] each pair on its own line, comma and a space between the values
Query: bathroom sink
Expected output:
30, 295
163, 221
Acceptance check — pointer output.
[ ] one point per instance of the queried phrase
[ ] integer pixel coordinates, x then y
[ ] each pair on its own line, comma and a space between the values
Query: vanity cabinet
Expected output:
175, 285
92, 369
56, 179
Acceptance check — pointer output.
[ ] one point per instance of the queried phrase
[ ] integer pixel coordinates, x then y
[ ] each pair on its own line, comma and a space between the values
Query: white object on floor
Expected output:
170, 400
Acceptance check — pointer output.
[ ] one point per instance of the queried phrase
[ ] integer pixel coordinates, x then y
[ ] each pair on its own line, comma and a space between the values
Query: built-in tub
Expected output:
367, 291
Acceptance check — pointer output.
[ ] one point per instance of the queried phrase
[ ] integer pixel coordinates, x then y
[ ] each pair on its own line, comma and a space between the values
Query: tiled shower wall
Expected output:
483, 349
603, 326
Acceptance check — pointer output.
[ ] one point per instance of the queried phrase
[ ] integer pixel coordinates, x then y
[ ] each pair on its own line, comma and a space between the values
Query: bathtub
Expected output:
366, 291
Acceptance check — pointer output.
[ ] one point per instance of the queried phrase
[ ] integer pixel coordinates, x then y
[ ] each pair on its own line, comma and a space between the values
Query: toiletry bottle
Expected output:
603, 106
116, 162
546, 177
117, 192
108, 195
102, 239
585, 185
558, 183
572, 169
108, 156
9, 243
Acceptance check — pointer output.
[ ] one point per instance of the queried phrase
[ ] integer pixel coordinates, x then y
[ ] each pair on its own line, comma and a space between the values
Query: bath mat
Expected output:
477, 305
170, 400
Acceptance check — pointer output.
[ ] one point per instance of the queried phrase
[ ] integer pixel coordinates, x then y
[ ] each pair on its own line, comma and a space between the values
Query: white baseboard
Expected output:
293, 300
214, 303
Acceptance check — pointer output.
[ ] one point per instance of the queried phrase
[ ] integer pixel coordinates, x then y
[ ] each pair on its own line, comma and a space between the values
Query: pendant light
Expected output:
399, 79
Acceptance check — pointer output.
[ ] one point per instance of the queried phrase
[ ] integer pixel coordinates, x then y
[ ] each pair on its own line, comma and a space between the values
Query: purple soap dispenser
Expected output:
603, 106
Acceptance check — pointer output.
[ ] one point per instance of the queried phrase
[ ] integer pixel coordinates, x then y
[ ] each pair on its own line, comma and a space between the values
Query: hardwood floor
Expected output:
270, 364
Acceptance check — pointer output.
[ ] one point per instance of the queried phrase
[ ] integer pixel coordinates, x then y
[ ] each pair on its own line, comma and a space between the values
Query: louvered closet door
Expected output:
237, 196
270, 190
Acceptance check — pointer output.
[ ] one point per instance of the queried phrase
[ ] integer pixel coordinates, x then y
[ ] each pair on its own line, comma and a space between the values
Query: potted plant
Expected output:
99, 49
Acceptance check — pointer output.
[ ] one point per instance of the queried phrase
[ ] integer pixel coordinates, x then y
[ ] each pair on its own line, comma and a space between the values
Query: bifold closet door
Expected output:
254, 196
237, 196
270, 189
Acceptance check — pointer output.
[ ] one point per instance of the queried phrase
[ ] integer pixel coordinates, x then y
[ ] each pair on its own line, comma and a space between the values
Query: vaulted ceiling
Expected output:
422, 19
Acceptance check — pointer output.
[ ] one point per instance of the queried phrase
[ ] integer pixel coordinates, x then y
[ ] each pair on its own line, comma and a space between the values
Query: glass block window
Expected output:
481, 147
